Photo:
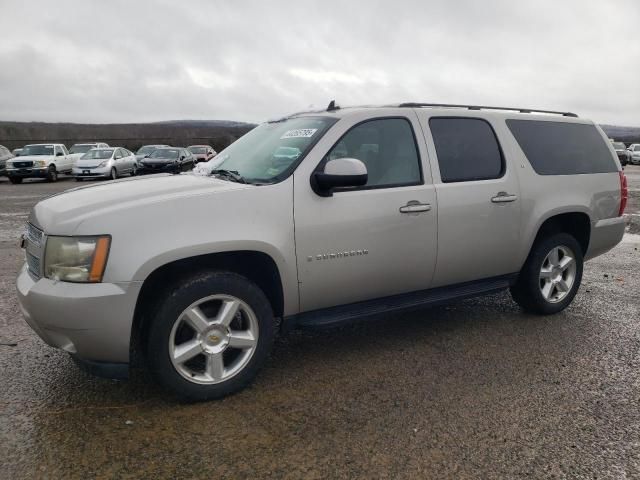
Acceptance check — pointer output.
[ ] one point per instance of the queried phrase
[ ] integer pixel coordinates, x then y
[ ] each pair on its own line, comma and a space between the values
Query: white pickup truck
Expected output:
42, 160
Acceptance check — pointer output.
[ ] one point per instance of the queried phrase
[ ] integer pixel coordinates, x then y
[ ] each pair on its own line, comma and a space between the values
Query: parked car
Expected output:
634, 150
167, 159
5, 155
77, 150
623, 154
202, 153
16, 152
384, 209
41, 160
147, 150
109, 162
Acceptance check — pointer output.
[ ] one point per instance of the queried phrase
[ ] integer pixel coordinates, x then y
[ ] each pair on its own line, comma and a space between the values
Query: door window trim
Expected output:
323, 162
503, 162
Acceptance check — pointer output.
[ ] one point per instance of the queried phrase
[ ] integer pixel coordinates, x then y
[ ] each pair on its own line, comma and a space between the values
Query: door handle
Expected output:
415, 207
504, 197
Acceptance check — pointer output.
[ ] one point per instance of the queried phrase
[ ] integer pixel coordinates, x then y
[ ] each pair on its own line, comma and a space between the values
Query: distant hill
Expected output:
217, 133
622, 134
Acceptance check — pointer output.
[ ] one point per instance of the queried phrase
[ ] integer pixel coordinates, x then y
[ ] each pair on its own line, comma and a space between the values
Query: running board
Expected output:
345, 313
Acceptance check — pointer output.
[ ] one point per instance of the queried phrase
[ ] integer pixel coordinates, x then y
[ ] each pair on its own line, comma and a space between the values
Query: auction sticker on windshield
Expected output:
299, 133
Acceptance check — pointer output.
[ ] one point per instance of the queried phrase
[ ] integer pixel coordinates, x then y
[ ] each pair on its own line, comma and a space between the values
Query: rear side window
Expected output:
467, 149
559, 148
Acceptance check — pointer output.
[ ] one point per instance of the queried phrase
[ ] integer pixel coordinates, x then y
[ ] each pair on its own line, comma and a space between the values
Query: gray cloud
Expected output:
123, 61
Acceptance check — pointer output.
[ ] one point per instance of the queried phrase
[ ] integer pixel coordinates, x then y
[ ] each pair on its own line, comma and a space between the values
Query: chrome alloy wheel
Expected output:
213, 339
558, 273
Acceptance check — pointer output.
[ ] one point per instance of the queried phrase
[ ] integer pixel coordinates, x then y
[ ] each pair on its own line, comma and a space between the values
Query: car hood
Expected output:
90, 161
31, 158
62, 213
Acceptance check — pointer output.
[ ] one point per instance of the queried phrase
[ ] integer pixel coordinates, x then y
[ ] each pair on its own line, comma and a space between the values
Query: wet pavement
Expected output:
477, 389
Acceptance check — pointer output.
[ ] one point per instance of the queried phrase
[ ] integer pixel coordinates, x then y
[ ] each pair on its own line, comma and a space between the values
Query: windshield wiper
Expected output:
232, 175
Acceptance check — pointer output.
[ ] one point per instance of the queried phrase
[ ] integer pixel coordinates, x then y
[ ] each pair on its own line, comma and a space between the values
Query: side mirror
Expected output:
341, 172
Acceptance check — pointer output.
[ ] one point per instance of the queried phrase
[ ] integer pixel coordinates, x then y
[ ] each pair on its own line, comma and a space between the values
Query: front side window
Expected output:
388, 149
636, 148
467, 149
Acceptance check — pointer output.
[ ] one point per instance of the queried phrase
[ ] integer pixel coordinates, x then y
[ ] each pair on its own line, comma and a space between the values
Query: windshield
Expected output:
147, 149
82, 148
37, 150
97, 154
618, 146
270, 151
198, 149
165, 153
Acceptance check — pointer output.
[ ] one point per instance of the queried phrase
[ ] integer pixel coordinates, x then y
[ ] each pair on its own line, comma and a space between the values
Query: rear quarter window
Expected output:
560, 148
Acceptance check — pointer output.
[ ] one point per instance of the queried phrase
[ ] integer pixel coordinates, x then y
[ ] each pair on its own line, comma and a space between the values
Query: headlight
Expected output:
40, 163
103, 164
76, 259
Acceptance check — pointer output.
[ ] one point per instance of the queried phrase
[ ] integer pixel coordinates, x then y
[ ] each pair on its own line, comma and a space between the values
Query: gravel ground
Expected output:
477, 389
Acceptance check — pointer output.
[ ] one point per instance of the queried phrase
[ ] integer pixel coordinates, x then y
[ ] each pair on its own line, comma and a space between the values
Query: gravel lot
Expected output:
477, 389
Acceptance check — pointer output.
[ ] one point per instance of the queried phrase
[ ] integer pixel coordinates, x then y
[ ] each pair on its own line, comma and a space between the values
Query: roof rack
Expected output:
483, 107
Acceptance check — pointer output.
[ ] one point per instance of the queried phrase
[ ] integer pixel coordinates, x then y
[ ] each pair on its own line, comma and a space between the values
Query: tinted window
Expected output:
388, 149
557, 148
467, 149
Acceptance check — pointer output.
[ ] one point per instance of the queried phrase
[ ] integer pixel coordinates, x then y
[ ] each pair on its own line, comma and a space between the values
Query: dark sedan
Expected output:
166, 159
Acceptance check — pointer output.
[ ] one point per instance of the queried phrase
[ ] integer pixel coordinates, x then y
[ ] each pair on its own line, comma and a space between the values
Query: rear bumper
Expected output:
91, 321
605, 235
30, 172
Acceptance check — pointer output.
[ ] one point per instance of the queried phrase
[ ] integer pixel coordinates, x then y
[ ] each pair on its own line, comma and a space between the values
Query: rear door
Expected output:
478, 199
364, 243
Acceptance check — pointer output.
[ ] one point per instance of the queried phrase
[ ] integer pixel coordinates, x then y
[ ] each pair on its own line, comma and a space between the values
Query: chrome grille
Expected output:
34, 235
34, 250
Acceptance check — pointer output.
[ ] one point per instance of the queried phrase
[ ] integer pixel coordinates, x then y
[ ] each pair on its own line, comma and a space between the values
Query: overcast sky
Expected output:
130, 61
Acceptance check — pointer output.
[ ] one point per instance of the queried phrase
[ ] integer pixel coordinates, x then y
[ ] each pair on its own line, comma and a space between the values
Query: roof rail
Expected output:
483, 107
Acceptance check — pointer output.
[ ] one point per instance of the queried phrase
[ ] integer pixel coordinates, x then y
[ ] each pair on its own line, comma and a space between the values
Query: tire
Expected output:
202, 375
52, 174
134, 170
113, 174
78, 179
15, 180
539, 276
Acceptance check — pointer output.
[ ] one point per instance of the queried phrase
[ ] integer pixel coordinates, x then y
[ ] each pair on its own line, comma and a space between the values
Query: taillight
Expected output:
624, 193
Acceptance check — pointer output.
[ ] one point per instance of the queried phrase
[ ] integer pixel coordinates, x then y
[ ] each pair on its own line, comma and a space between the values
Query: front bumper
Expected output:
29, 172
80, 172
91, 321
158, 168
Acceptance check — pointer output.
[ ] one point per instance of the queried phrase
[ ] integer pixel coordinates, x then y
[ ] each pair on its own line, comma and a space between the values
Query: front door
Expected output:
478, 200
364, 243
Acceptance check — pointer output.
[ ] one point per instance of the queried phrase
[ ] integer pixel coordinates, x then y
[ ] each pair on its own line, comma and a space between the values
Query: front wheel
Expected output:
210, 335
113, 175
15, 180
134, 170
551, 276
52, 174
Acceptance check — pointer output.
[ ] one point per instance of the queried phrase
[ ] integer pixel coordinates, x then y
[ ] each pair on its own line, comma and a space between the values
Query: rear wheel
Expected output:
15, 180
210, 335
551, 276
52, 174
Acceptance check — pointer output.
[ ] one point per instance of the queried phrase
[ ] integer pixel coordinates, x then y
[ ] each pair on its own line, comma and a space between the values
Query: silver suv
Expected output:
379, 209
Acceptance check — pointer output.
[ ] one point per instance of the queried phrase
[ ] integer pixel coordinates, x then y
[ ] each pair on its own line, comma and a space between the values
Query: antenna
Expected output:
332, 106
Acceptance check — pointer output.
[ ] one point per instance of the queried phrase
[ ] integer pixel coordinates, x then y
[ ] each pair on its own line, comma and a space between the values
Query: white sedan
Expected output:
110, 163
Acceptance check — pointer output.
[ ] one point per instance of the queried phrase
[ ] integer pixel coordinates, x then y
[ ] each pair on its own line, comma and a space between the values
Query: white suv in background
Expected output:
634, 149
